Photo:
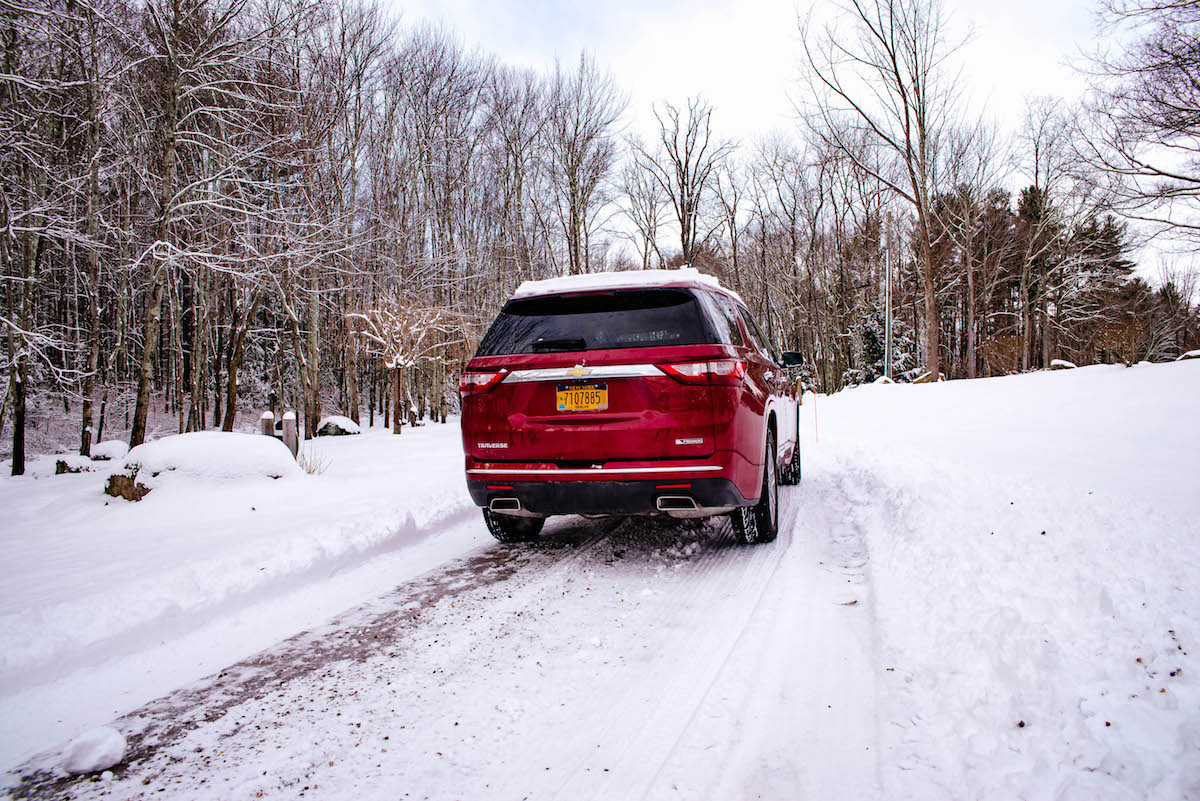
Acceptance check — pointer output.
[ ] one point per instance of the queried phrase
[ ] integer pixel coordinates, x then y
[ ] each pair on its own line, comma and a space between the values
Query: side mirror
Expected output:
792, 359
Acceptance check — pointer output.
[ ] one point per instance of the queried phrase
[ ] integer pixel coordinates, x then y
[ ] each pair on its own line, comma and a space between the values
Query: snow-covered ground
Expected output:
106, 604
983, 590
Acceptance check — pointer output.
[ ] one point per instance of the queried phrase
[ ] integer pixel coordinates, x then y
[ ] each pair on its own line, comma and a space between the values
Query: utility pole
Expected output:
887, 300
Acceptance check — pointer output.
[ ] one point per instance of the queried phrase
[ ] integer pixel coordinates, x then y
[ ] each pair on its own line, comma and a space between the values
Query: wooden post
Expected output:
268, 424
289, 432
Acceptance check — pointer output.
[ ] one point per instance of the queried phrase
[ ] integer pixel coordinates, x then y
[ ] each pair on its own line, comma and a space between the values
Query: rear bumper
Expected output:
600, 497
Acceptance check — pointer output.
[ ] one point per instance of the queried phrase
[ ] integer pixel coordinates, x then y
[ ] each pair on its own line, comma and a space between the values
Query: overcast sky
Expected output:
742, 54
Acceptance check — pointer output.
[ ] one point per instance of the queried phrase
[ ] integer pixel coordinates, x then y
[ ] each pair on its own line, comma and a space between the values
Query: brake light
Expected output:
479, 382
723, 371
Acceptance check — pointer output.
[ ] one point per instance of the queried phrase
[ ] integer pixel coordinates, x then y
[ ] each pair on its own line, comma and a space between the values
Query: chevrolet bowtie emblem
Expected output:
578, 371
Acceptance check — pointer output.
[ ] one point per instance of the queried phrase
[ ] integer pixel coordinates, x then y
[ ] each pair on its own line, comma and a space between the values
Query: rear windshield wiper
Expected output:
544, 345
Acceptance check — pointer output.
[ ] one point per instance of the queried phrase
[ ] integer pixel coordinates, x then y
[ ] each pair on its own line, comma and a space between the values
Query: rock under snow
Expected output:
218, 456
95, 750
1191, 354
337, 426
72, 463
109, 449
1061, 364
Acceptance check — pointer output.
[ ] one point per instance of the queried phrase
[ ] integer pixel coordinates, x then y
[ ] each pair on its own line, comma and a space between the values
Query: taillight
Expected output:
723, 371
478, 382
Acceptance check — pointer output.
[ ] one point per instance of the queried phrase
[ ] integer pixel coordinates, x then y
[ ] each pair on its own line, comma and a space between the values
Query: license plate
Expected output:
582, 397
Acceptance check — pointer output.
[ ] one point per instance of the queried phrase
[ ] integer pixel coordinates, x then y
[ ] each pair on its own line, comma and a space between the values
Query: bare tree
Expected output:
1143, 131
584, 108
643, 204
890, 80
684, 166
975, 163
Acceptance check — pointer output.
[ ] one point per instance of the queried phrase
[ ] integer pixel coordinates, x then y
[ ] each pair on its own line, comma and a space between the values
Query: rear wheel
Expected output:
760, 523
510, 528
790, 474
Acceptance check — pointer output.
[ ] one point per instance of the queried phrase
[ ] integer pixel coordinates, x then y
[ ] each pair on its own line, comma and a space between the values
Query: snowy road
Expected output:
614, 659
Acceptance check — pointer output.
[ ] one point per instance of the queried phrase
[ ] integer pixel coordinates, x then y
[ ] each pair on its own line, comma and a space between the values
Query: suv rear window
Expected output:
623, 318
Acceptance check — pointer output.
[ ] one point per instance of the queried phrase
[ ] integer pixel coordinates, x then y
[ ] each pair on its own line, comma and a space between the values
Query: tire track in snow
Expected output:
608, 660
356, 635
720, 591
793, 712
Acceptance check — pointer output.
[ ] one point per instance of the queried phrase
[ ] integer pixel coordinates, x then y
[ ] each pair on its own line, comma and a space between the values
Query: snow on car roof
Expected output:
618, 280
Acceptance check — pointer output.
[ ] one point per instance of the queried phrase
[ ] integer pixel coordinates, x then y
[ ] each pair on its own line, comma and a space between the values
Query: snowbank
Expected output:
138, 597
1033, 548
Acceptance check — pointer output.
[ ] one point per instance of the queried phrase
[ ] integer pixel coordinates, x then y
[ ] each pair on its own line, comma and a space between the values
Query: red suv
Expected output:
649, 392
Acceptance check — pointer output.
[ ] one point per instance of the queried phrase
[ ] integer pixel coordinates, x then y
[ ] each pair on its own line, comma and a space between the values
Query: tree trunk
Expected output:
103, 407
397, 399
93, 260
237, 352
137, 434
1026, 320
18, 447
218, 356
352, 374
970, 319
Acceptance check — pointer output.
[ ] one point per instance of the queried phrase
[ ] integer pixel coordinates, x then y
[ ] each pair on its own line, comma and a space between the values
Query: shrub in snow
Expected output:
1191, 354
1061, 364
96, 750
201, 455
337, 426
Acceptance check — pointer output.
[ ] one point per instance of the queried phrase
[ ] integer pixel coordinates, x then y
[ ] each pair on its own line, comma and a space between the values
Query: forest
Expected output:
212, 208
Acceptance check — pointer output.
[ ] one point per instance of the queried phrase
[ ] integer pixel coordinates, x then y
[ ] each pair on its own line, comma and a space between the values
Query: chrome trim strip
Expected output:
591, 471
581, 373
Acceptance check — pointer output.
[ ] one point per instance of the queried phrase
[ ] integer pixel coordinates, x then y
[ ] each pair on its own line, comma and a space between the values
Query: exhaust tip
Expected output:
677, 503
505, 505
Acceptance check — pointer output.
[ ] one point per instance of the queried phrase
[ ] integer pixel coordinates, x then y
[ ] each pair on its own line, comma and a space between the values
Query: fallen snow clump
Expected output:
95, 750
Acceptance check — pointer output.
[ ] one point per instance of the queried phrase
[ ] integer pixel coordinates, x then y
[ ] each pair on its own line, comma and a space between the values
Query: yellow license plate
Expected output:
582, 397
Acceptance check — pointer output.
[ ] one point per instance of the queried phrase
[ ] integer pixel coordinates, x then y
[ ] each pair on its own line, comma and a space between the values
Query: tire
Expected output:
760, 523
509, 528
790, 474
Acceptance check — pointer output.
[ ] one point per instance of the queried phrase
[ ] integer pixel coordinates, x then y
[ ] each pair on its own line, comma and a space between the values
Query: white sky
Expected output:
742, 56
